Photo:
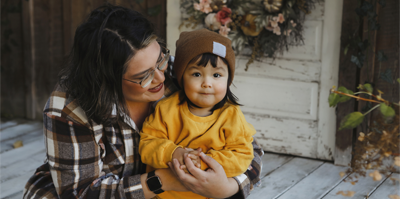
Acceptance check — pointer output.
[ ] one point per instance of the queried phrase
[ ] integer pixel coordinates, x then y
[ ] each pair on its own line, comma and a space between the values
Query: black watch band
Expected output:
154, 182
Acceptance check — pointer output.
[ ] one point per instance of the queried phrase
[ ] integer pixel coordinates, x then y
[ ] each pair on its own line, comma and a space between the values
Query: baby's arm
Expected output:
155, 148
237, 154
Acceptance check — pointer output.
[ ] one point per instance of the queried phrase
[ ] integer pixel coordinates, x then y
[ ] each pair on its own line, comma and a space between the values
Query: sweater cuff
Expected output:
170, 150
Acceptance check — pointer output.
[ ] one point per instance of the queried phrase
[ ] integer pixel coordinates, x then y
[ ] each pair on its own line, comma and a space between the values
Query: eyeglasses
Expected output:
150, 75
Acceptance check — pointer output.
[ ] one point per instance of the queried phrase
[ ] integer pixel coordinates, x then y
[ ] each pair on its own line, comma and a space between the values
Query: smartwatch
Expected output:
154, 182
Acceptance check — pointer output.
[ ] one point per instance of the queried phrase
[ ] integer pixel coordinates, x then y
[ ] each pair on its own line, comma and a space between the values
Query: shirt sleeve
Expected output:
251, 178
76, 166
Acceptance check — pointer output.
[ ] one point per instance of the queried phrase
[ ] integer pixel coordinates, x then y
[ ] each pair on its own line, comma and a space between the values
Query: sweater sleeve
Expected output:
251, 178
155, 149
237, 153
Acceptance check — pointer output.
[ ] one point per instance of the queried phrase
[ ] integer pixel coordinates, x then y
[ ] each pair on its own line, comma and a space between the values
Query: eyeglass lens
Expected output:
160, 66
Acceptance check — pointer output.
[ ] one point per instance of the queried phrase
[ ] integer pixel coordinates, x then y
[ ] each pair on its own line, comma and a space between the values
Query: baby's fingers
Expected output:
183, 167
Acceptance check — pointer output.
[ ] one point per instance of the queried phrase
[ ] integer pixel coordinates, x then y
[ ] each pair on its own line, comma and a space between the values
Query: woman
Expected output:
93, 117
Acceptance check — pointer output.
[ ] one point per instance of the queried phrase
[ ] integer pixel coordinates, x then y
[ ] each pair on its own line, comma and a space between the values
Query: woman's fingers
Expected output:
212, 164
194, 170
187, 178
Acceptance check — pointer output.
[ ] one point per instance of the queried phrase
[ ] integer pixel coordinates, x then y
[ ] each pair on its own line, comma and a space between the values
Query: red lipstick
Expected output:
157, 88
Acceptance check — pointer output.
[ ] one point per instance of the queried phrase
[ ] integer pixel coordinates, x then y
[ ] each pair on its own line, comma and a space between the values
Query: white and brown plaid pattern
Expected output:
89, 160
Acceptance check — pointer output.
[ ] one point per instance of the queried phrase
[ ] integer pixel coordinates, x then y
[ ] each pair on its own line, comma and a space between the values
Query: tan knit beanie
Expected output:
193, 43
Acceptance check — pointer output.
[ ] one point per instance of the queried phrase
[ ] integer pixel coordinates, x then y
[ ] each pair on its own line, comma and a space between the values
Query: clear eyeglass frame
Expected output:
150, 76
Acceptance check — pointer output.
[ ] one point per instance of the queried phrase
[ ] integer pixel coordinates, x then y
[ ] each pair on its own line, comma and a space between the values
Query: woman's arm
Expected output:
168, 180
210, 183
214, 183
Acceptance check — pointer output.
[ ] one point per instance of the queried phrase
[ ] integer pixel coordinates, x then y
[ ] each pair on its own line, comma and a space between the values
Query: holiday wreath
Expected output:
267, 26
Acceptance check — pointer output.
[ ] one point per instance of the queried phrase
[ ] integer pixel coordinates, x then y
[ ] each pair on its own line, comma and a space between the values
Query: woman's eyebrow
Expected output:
146, 71
140, 74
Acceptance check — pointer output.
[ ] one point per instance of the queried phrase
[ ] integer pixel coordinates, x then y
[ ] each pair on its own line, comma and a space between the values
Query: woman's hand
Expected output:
210, 183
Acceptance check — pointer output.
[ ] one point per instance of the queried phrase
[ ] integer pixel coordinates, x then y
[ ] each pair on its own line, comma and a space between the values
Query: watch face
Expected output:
153, 183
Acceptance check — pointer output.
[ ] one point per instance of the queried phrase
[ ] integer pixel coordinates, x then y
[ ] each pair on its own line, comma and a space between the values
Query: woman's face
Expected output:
142, 63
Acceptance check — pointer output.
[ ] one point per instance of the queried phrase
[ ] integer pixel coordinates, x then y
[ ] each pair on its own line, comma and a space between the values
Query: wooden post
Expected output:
347, 78
29, 57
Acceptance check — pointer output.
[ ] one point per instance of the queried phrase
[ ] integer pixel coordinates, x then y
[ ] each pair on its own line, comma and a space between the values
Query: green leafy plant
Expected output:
354, 119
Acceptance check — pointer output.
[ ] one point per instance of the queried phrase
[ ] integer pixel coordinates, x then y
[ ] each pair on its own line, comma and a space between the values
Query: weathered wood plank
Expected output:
347, 78
10, 123
285, 177
27, 165
26, 139
305, 71
19, 130
22, 153
12, 60
329, 76
29, 58
17, 195
362, 188
284, 135
273, 161
15, 185
387, 188
317, 183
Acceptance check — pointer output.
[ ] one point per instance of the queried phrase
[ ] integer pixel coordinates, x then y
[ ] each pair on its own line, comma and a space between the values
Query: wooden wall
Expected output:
350, 76
37, 36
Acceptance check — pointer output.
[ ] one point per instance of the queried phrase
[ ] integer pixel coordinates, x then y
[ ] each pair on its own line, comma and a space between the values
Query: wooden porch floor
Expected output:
283, 176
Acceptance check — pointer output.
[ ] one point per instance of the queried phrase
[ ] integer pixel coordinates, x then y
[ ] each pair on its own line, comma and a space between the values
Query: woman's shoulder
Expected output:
62, 106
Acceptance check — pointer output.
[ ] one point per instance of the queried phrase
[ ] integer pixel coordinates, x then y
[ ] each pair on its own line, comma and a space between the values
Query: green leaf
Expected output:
368, 87
381, 56
351, 120
333, 99
155, 10
398, 80
387, 75
346, 49
344, 98
387, 110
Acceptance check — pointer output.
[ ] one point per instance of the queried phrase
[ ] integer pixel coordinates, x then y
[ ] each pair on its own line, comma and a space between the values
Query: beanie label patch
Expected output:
219, 49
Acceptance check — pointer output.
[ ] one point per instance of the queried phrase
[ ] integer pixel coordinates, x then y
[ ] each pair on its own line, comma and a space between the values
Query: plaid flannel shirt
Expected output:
89, 160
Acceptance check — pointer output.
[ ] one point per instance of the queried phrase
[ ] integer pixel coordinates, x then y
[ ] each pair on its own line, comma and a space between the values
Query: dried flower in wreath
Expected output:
268, 27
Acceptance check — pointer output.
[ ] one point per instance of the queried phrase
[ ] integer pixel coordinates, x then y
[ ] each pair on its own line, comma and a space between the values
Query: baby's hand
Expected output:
194, 156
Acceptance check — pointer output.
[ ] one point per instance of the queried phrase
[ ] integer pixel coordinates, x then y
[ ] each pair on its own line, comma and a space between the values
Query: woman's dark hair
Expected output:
103, 45
203, 60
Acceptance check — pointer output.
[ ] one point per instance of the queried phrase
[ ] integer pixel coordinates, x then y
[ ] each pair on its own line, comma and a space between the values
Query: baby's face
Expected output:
206, 86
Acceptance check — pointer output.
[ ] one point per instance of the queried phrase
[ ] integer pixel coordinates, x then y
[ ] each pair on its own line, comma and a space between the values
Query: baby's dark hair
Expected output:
204, 59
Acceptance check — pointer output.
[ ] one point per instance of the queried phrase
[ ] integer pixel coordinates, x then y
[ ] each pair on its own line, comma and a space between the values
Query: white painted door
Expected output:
287, 99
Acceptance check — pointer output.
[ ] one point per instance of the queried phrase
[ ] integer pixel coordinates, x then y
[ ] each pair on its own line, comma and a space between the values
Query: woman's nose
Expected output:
158, 76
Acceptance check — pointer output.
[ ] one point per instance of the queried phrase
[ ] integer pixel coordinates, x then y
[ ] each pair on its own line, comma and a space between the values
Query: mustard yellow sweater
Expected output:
225, 135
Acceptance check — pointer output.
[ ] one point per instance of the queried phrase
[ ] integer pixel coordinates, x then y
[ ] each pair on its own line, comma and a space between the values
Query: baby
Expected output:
204, 115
